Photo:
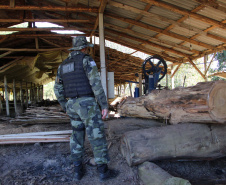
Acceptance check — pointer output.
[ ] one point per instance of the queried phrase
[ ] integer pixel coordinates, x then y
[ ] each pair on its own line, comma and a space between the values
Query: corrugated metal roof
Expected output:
116, 22
170, 39
165, 13
154, 22
121, 12
209, 40
212, 13
194, 46
182, 31
143, 31
196, 23
134, 3
189, 5
218, 31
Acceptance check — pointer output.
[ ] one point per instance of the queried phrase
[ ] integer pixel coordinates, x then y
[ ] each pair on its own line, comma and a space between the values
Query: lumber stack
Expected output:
202, 103
36, 137
42, 115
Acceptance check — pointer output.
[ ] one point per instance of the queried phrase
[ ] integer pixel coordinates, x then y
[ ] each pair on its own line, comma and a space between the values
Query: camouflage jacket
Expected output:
91, 71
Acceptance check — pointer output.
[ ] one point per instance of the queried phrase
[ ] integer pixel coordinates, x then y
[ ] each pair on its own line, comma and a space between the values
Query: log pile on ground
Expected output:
174, 141
202, 103
201, 112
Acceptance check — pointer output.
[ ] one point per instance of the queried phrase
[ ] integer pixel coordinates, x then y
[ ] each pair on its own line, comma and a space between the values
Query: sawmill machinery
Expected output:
154, 70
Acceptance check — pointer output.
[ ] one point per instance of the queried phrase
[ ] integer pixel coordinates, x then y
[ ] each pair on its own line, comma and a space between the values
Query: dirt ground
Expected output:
49, 163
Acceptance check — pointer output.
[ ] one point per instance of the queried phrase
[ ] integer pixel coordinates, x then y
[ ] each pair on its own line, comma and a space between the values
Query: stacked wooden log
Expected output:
202, 103
201, 112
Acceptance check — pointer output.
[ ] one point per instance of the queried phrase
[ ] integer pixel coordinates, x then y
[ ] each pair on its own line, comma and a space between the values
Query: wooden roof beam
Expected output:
50, 8
183, 11
158, 30
141, 48
36, 29
173, 44
152, 15
42, 35
213, 4
102, 7
34, 50
197, 69
43, 20
149, 43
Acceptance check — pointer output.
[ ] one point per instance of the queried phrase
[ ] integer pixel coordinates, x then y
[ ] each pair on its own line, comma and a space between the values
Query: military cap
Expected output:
79, 43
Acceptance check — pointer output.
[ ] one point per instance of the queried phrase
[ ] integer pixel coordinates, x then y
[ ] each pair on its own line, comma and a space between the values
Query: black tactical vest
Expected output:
75, 81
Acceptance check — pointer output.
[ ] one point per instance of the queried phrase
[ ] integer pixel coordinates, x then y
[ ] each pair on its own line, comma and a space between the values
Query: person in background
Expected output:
79, 90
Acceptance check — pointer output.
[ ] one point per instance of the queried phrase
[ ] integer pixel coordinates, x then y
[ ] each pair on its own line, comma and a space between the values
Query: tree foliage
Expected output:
221, 65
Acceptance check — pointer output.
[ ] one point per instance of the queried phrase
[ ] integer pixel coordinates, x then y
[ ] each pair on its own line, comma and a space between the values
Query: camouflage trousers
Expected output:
85, 117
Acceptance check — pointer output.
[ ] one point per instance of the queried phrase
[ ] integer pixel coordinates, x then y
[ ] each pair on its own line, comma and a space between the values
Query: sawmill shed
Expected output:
178, 31
184, 127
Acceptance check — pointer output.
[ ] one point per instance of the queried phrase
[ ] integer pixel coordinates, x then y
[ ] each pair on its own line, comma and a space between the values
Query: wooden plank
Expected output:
50, 8
39, 133
44, 140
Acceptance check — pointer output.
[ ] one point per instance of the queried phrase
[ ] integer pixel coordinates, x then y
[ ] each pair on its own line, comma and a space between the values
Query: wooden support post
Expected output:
41, 93
210, 64
130, 89
6, 96
172, 77
26, 96
167, 80
140, 85
14, 96
30, 96
35, 93
21, 94
12, 3
102, 53
1, 106
38, 88
205, 66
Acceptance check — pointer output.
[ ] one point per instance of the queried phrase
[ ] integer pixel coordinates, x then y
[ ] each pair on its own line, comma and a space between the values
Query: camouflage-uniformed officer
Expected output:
78, 89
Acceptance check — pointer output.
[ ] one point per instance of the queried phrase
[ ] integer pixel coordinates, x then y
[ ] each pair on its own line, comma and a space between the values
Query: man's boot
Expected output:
79, 171
106, 173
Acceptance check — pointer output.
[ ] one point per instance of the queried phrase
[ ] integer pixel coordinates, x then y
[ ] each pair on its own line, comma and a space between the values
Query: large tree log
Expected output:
151, 174
202, 103
174, 141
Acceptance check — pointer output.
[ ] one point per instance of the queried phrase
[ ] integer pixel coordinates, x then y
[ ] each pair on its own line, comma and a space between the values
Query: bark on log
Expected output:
174, 141
151, 174
202, 103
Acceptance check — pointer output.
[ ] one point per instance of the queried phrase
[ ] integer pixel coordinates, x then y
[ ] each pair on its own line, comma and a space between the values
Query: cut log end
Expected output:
217, 102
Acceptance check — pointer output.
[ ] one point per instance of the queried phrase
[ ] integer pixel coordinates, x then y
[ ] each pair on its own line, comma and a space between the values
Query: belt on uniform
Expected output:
81, 96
